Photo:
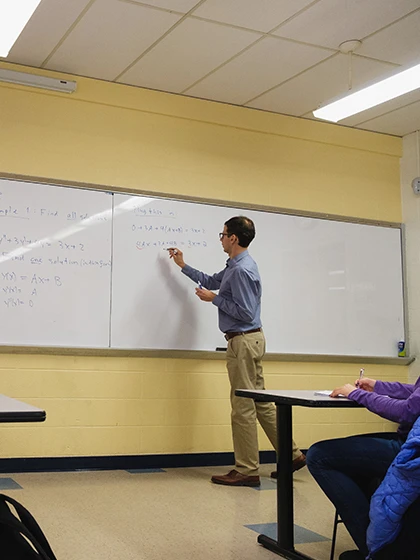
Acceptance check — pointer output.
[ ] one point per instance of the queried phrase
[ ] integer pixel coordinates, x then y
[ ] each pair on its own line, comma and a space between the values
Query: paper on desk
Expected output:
326, 393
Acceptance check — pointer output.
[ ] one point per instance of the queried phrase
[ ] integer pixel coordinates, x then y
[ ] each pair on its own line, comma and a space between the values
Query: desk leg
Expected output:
284, 546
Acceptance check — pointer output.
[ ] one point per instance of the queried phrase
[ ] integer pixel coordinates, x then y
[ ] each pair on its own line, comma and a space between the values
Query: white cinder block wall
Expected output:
410, 168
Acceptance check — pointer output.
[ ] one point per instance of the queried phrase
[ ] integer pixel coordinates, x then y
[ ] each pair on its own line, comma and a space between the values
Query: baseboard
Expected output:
123, 462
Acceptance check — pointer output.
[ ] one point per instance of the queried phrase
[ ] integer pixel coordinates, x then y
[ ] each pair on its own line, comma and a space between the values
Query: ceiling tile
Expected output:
400, 122
109, 37
261, 67
320, 84
183, 6
44, 30
399, 42
189, 52
262, 15
330, 22
234, 57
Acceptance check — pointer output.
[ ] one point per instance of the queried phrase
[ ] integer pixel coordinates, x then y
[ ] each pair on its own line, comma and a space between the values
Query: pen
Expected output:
362, 371
200, 285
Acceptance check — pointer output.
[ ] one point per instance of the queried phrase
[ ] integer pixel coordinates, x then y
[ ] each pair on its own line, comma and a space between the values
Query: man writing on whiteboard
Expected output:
239, 307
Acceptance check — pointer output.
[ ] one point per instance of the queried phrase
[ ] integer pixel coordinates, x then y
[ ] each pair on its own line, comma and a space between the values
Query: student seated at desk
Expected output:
345, 467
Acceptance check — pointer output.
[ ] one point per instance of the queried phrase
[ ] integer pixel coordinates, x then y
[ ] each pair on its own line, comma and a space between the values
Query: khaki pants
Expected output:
244, 355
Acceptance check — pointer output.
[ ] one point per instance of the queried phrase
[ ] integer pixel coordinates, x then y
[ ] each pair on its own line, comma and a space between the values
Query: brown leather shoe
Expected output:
297, 464
235, 478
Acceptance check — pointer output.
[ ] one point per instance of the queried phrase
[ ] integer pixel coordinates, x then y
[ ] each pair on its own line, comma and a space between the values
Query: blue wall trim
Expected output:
123, 462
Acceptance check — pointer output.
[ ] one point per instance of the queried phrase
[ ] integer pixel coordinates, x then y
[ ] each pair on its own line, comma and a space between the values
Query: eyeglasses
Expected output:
221, 235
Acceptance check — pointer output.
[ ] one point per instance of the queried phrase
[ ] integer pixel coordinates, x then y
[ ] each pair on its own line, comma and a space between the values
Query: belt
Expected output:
230, 335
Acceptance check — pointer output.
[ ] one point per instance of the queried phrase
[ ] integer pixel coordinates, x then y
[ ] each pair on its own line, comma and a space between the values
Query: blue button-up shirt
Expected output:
239, 297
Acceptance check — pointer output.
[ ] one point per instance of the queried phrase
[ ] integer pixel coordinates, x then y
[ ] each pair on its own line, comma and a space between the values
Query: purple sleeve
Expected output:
396, 410
394, 389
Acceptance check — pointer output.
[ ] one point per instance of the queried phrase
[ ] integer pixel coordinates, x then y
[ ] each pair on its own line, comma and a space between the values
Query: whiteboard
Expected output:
55, 265
329, 287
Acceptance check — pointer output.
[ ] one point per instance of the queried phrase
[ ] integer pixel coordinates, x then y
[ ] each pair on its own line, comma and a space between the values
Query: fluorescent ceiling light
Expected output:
368, 97
34, 80
14, 15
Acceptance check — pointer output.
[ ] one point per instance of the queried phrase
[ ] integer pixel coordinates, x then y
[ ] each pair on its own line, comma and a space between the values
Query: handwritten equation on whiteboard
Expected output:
21, 290
55, 265
154, 228
28, 212
37, 245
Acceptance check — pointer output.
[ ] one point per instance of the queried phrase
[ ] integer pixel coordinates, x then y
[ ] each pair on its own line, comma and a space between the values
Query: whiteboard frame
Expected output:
200, 200
198, 354
201, 355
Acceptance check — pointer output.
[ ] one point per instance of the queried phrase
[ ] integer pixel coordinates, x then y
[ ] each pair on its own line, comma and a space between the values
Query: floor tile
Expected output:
266, 484
9, 484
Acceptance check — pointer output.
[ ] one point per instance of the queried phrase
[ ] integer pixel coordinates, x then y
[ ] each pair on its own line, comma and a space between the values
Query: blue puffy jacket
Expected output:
398, 490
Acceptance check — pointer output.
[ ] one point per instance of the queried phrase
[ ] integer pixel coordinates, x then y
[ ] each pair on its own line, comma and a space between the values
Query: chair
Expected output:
337, 520
369, 487
406, 544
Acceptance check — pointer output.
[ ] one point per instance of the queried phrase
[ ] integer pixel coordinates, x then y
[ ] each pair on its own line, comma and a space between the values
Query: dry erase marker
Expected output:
200, 285
401, 349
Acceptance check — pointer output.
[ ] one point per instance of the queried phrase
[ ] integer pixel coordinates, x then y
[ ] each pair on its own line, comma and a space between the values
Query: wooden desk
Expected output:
284, 400
12, 410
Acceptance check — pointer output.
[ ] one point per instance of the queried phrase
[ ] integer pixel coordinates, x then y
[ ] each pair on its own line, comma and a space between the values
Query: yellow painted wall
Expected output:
129, 138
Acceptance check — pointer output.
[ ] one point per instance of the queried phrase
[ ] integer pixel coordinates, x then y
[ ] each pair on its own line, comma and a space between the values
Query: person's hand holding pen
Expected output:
177, 255
366, 384
203, 294
362, 382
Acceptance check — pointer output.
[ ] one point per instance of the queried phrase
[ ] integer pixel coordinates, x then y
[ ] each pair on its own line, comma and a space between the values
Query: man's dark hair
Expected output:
243, 228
